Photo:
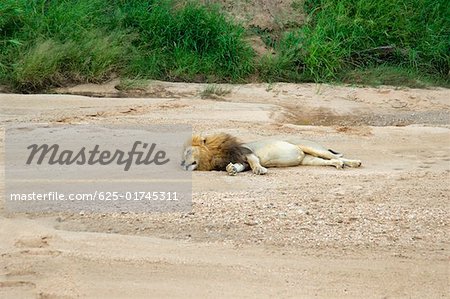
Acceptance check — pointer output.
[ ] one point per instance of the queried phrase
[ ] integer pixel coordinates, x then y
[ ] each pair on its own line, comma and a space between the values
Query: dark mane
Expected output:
226, 149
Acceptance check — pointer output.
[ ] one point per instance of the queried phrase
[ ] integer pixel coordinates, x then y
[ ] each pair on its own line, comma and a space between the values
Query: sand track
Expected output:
380, 231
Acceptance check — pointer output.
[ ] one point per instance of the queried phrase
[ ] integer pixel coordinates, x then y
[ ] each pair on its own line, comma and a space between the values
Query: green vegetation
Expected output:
51, 43
390, 75
46, 43
213, 90
350, 36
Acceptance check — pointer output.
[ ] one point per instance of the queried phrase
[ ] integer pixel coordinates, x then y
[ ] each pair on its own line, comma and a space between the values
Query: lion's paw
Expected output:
260, 170
353, 163
231, 169
338, 164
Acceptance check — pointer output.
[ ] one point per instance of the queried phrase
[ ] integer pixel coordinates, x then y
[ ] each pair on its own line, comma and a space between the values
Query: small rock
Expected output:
251, 223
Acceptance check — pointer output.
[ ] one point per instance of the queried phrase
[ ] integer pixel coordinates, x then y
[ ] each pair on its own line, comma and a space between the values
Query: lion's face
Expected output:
191, 158
213, 152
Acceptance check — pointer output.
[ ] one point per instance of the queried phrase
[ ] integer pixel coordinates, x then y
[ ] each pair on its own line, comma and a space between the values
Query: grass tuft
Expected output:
213, 90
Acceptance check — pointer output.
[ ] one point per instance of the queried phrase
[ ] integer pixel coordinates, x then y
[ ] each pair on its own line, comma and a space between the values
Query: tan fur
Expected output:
224, 152
204, 155
214, 152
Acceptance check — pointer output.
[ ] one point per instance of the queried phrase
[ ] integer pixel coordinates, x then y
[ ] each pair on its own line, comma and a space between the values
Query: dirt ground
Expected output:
380, 231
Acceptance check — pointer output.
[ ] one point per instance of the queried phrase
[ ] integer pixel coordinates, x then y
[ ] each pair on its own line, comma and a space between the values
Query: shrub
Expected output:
350, 34
48, 43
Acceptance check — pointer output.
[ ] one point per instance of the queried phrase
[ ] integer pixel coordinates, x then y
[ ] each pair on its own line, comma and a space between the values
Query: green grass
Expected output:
391, 75
213, 90
354, 35
45, 43
57, 43
128, 84
48, 43
189, 43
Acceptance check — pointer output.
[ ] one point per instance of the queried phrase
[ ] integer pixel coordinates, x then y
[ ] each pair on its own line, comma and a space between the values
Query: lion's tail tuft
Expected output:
335, 153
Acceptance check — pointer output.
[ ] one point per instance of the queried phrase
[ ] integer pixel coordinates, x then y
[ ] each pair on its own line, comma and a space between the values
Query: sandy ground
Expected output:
380, 231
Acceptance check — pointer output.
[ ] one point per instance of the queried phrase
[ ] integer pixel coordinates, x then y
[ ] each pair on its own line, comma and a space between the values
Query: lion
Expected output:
225, 153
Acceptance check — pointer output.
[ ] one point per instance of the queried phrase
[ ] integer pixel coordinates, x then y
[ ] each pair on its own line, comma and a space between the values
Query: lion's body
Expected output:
224, 152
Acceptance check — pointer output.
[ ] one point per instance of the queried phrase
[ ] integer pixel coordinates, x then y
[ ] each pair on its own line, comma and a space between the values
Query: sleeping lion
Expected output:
224, 152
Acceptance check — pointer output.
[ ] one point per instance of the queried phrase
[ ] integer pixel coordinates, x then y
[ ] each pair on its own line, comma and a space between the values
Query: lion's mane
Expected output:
216, 151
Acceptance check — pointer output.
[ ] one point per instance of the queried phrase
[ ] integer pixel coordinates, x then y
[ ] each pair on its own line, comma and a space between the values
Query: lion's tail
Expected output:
335, 153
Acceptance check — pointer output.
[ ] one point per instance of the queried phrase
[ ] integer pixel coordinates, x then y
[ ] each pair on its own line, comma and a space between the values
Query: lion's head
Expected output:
213, 152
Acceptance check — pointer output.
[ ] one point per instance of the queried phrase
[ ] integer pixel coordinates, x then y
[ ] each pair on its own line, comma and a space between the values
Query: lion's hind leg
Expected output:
320, 152
351, 163
331, 155
338, 163
316, 150
316, 161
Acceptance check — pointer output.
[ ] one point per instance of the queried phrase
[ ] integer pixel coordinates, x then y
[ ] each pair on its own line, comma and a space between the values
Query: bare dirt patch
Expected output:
264, 14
